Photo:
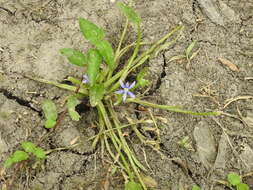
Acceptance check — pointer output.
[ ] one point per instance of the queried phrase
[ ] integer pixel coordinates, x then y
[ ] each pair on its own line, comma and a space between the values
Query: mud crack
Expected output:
19, 100
8, 11
159, 80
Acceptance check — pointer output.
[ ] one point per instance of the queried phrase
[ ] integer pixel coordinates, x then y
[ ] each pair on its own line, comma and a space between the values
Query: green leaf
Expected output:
95, 60
71, 104
91, 31
49, 110
8, 163
131, 185
140, 78
75, 57
50, 123
39, 153
28, 146
195, 187
129, 13
189, 48
234, 179
96, 94
242, 186
19, 156
106, 51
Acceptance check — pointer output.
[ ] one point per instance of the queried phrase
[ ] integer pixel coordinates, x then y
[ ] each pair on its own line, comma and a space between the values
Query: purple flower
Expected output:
85, 79
126, 90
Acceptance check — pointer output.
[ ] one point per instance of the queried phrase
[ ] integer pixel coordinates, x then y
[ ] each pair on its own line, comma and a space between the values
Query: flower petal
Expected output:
121, 84
124, 96
132, 85
120, 91
131, 94
127, 85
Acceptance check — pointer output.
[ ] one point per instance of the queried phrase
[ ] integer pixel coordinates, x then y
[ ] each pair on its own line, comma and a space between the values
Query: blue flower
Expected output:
85, 79
126, 90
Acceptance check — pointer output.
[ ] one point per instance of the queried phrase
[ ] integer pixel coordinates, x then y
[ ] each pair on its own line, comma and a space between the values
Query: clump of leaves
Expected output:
106, 87
30, 151
235, 181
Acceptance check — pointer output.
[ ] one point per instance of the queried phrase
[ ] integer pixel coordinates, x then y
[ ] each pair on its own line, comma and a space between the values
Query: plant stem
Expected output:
134, 162
130, 62
170, 108
121, 39
113, 137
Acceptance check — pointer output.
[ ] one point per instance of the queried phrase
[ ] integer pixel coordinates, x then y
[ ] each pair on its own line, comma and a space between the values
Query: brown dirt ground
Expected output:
32, 32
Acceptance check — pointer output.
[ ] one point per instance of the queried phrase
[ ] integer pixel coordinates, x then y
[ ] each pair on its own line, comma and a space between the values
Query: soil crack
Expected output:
162, 75
8, 11
20, 101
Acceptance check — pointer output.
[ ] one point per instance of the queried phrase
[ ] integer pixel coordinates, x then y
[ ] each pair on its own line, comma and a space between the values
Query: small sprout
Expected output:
19, 155
126, 90
235, 180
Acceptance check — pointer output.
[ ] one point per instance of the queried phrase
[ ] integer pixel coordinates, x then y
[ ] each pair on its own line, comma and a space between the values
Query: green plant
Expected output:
106, 87
30, 151
187, 54
195, 187
235, 181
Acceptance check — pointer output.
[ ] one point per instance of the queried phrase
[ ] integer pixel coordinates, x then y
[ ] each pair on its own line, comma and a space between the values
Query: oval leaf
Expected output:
95, 60
39, 153
106, 51
49, 110
242, 186
19, 156
71, 104
96, 94
195, 187
129, 13
75, 57
28, 146
8, 163
50, 123
234, 179
91, 31
131, 185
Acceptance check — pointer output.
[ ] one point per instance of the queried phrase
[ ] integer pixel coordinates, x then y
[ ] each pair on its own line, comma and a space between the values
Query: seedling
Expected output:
106, 87
186, 143
188, 55
29, 152
235, 182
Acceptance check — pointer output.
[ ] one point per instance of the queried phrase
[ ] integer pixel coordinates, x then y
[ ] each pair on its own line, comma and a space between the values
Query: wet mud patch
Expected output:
31, 34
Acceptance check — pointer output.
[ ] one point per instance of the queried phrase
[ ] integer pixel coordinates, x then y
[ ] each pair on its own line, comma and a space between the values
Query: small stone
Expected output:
3, 145
211, 10
228, 12
205, 144
220, 162
247, 157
